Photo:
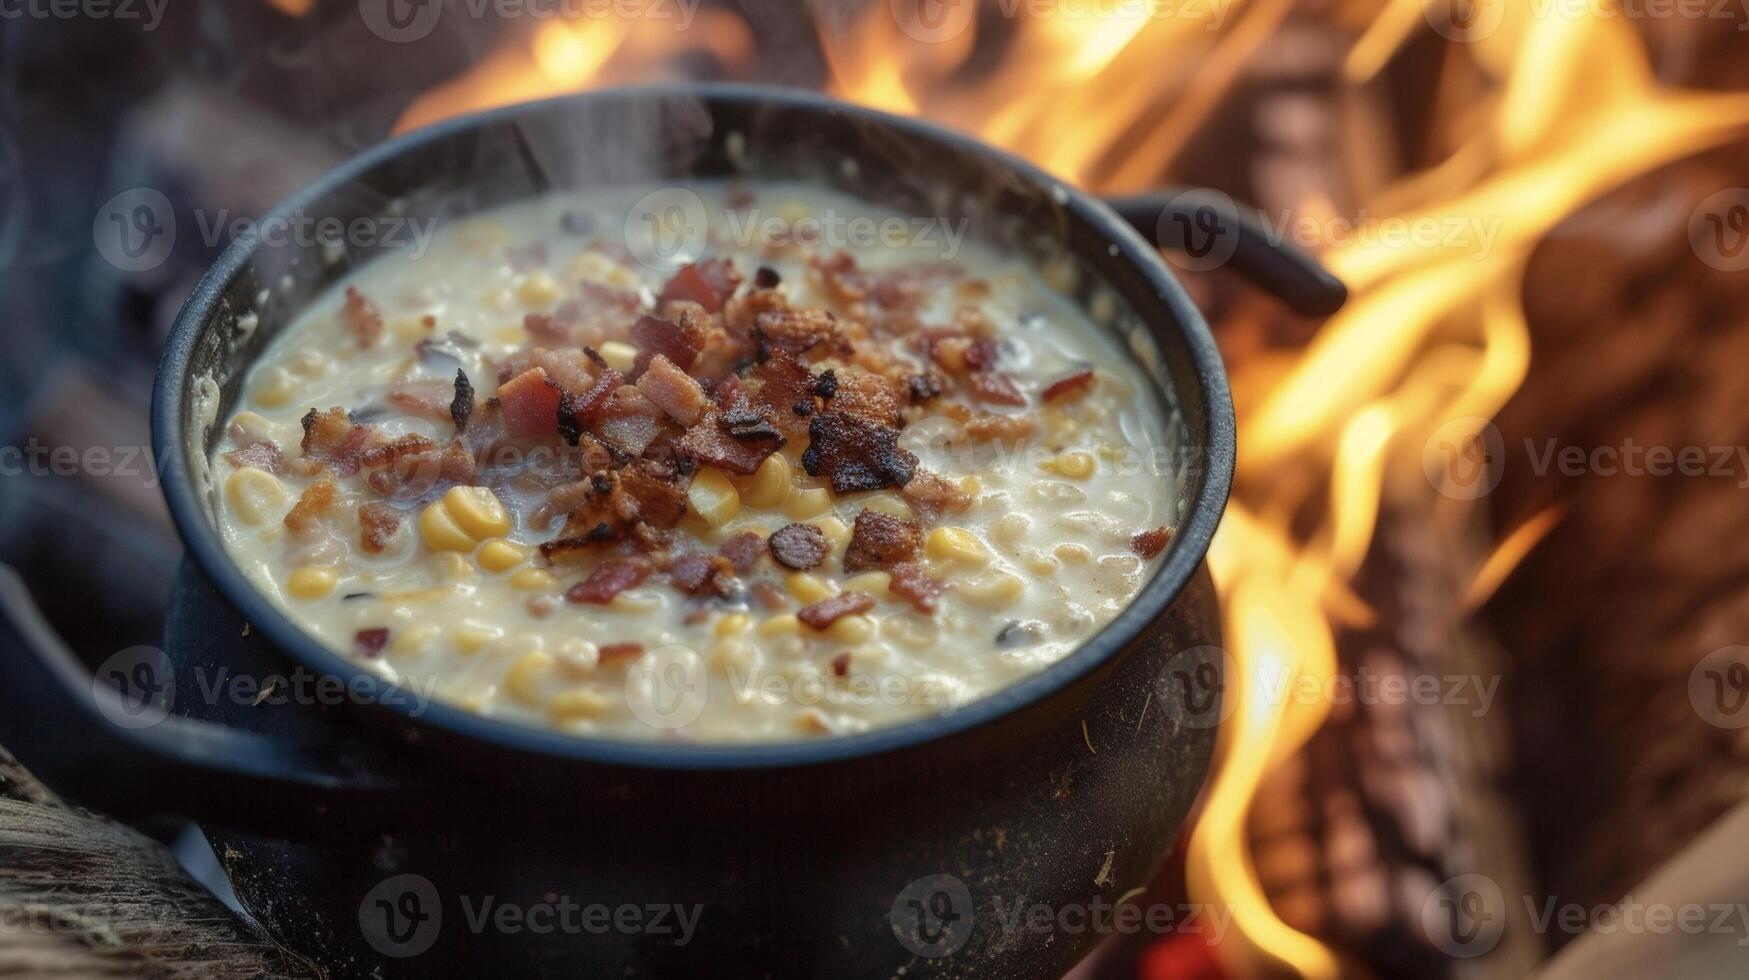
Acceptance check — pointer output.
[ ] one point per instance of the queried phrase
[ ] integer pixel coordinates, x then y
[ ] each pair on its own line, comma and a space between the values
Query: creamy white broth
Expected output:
1044, 555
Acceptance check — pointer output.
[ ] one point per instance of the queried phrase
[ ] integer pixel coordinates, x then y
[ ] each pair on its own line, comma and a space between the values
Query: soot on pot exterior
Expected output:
855, 856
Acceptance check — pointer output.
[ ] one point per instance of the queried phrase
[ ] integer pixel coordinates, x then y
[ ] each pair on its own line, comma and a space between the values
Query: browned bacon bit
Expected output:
629, 422
769, 596
370, 642
856, 454
461, 407
546, 328
880, 540
694, 573
530, 403
362, 317
826, 385
263, 454
841, 665
824, 613
569, 428
798, 546
409, 476
590, 403
867, 395
1069, 386
709, 283
1148, 544
660, 492
743, 551
674, 391
312, 505
728, 391
428, 398
981, 355
609, 579
711, 444
995, 387
620, 651
987, 426
797, 331
744, 421
407, 445
377, 522
765, 277
931, 495
923, 387
331, 437
914, 584
785, 383
658, 337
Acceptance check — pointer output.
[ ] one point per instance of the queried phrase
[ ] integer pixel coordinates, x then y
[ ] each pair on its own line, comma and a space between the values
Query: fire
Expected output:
1107, 95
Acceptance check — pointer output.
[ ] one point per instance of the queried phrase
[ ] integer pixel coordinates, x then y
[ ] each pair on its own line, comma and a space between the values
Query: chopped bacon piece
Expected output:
313, 505
412, 475
931, 495
745, 421
709, 283
987, 426
913, 583
674, 391
765, 277
589, 404
824, 613
1069, 386
880, 540
660, 492
711, 443
378, 522
798, 546
788, 388
856, 454
841, 665
530, 402
797, 331
370, 642
1148, 544
362, 317
629, 421
741, 313
407, 445
743, 551
331, 437
657, 337
868, 395
609, 579
995, 387
694, 573
546, 328
461, 406
923, 387
982, 354
263, 454
769, 596
428, 398
619, 651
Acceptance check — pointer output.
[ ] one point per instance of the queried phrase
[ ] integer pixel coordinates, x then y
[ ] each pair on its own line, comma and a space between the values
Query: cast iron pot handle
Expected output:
1200, 222
61, 724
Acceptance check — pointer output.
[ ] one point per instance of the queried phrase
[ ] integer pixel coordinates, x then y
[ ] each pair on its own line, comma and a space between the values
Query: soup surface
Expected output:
728, 463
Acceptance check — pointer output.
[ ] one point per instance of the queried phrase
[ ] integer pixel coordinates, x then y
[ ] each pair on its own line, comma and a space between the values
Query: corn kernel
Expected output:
311, 363
619, 355
733, 623
1040, 563
538, 291
511, 335
274, 388
471, 638
414, 640
1072, 554
971, 486
888, 503
477, 511
809, 588
996, 590
440, 532
574, 705
1010, 529
256, 496
312, 582
247, 426
454, 568
597, 267
526, 676
712, 497
784, 625
499, 555
1076, 464
732, 654
956, 544
769, 486
836, 531
877, 584
809, 502
637, 601
851, 629
534, 580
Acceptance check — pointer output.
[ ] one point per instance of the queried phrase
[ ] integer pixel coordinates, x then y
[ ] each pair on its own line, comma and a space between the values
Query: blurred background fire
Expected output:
1537, 206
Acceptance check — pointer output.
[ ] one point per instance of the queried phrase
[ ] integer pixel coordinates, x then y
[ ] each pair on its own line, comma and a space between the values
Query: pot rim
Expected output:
1189, 545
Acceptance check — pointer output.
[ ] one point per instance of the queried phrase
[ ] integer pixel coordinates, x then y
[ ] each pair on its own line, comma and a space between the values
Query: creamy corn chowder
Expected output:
783, 483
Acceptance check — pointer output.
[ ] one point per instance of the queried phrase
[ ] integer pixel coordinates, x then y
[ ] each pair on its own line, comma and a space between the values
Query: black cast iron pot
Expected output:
374, 835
